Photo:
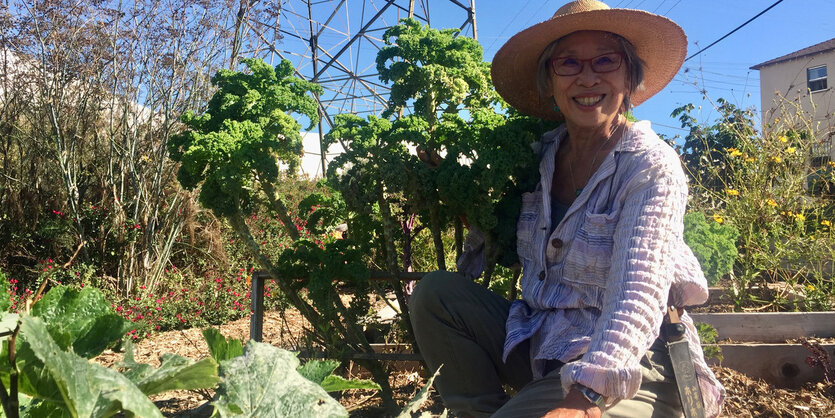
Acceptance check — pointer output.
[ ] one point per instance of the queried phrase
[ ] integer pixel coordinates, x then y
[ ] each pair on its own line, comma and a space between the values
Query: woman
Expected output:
600, 239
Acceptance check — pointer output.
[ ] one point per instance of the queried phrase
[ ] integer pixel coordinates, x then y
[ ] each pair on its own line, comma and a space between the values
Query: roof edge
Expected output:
818, 48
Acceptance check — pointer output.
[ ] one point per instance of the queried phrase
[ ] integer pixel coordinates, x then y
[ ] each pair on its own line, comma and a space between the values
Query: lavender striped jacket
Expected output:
598, 286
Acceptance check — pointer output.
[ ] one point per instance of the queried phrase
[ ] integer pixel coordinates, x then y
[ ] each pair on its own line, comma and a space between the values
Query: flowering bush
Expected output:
774, 188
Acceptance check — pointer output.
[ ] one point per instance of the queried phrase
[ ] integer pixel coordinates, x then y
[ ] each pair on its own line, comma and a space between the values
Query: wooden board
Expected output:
773, 327
782, 365
718, 296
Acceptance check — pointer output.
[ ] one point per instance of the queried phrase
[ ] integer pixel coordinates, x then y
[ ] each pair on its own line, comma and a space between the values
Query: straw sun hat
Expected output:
659, 41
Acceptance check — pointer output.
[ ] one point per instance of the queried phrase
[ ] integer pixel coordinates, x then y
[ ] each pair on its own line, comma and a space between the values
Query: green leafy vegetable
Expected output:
87, 389
83, 320
220, 348
264, 383
174, 373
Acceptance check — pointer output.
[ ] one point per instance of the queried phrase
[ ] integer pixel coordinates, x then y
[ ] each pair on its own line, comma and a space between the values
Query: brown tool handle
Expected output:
672, 329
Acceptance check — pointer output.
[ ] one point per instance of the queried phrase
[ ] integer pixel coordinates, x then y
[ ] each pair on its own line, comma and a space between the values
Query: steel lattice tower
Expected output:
335, 42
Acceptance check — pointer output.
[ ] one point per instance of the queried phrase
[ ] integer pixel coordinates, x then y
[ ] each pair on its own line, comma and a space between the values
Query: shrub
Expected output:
759, 183
713, 243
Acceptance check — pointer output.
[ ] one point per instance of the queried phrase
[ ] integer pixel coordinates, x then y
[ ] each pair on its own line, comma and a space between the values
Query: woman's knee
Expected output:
434, 287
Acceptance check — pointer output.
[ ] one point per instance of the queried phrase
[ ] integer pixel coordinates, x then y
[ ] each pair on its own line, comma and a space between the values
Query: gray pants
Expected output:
461, 325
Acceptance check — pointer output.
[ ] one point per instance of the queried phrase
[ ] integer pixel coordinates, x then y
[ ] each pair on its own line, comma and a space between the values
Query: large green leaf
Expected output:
40, 409
81, 319
334, 383
222, 349
33, 378
87, 389
174, 373
263, 382
317, 370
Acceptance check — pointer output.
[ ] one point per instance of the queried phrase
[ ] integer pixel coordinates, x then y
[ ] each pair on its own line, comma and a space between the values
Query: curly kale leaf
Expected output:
245, 131
435, 69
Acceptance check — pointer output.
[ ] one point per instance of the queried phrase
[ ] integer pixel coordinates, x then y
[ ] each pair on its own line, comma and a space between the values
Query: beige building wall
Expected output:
783, 89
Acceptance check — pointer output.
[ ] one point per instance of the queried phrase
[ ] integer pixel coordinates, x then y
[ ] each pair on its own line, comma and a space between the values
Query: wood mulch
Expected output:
746, 397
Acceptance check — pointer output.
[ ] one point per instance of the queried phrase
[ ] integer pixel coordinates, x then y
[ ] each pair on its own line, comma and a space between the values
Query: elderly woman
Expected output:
600, 239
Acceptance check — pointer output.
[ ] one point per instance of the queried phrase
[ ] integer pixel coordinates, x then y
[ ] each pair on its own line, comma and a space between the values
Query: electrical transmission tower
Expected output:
335, 43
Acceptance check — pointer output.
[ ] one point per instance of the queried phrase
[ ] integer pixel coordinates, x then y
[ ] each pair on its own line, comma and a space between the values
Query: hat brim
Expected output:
659, 41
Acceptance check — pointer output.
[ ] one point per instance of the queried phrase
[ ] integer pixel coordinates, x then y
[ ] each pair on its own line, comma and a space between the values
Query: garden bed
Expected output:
747, 397
765, 345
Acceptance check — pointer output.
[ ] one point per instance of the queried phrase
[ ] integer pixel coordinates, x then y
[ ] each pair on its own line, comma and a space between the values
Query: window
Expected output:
816, 78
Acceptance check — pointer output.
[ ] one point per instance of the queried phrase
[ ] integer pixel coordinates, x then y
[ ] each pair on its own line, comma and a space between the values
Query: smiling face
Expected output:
589, 100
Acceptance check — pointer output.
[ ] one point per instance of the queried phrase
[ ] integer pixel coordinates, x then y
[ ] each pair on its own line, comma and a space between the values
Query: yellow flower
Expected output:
771, 202
749, 159
826, 223
790, 150
783, 139
732, 192
776, 120
733, 152
800, 217
810, 287
831, 163
718, 218
776, 159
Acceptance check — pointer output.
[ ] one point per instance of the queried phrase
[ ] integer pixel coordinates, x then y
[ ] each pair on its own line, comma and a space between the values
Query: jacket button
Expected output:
542, 275
556, 243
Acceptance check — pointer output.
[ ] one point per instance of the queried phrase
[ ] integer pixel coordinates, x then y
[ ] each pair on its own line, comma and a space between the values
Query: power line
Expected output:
536, 14
709, 80
490, 48
700, 70
671, 8
737, 28
659, 6
670, 127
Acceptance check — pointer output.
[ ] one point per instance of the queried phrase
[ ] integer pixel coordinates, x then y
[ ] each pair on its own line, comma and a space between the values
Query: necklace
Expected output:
578, 190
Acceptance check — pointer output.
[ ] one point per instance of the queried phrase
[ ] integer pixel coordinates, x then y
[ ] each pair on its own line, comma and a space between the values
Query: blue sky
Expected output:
723, 70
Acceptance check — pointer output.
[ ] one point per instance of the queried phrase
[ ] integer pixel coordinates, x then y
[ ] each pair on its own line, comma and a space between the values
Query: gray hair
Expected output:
634, 69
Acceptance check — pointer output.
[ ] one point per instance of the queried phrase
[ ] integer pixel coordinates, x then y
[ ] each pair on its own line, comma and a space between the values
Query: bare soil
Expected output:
746, 397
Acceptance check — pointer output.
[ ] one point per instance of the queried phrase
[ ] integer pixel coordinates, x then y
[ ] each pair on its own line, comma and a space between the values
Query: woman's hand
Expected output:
575, 405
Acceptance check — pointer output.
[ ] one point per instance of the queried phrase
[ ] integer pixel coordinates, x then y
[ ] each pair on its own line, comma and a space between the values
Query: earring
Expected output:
556, 108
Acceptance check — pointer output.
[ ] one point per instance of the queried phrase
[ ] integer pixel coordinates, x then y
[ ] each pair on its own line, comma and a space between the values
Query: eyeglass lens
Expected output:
600, 64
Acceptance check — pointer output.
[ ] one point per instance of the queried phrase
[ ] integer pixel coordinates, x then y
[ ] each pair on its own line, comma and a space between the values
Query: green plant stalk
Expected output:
459, 237
8, 408
309, 312
281, 209
14, 375
373, 366
512, 293
352, 327
10, 399
11, 403
435, 226
381, 377
239, 226
391, 264
491, 257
